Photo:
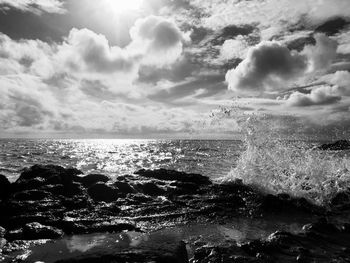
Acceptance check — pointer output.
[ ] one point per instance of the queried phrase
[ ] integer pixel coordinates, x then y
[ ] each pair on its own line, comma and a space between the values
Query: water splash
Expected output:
277, 165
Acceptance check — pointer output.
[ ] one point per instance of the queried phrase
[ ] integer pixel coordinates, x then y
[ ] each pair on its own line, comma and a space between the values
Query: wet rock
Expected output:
2, 232
103, 192
5, 187
73, 189
47, 171
32, 195
321, 226
150, 188
92, 179
57, 189
124, 187
30, 184
171, 175
112, 227
342, 199
35, 230
336, 146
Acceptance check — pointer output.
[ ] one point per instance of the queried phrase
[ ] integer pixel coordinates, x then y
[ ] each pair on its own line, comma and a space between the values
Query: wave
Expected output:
277, 165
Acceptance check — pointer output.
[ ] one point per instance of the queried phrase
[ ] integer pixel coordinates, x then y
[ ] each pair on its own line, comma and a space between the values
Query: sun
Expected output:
120, 6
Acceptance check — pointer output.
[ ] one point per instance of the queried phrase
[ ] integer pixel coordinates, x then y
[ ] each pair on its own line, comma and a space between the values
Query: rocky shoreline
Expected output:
49, 202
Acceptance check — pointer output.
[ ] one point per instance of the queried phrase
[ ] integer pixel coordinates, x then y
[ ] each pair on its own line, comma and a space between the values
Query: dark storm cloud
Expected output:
34, 6
333, 26
211, 85
300, 43
19, 25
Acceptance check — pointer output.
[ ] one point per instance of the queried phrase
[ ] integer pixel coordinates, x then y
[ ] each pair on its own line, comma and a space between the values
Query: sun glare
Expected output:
120, 6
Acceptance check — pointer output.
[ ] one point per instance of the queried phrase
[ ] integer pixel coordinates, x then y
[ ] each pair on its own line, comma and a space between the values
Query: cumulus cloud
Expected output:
264, 64
269, 63
85, 50
322, 54
160, 40
34, 6
323, 95
234, 48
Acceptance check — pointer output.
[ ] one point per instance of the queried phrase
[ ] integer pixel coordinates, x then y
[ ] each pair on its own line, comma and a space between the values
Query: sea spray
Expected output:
279, 165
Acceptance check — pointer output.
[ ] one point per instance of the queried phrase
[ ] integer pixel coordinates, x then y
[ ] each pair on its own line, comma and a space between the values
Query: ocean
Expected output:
274, 165
114, 157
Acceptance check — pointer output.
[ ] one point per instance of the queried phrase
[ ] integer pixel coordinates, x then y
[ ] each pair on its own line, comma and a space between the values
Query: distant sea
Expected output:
213, 158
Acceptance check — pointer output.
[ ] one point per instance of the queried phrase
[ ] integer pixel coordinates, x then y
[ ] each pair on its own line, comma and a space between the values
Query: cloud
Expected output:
270, 63
323, 95
159, 40
234, 48
34, 6
264, 64
322, 54
85, 50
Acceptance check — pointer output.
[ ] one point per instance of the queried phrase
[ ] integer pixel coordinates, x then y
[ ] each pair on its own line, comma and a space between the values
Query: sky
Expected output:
173, 68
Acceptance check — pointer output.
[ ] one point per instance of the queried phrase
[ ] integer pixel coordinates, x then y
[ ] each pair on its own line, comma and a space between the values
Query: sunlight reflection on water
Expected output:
117, 157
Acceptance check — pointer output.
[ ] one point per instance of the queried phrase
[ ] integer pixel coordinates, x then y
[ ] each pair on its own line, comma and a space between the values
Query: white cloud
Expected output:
265, 64
320, 96
322, 54
234, 48
34, 6
270, 65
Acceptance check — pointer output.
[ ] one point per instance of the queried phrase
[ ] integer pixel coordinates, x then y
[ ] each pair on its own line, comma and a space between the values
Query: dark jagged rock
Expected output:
150, 188
36, 230
73, 189
171, 175
281, 246
336, 146
124, 187
92, 179
5, 187
341, 200
285, 203
47, 171
59, 199
103, 192
32, 195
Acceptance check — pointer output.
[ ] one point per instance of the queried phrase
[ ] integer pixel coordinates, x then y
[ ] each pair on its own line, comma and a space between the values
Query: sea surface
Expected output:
213, 158
275, 165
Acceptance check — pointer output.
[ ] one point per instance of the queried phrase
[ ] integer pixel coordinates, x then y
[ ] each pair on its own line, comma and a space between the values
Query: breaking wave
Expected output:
280, 165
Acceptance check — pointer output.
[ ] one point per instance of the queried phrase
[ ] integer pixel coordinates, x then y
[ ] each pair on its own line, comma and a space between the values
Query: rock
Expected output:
336, 146
30, 184
54, 189
92, 179
150, 188
321, 226
32, 195
171, 175
5, 187
73, 189
49, 172
2, 232
35, 230
112, 227
124, 187
341, 199
103, 192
